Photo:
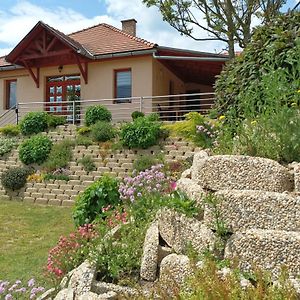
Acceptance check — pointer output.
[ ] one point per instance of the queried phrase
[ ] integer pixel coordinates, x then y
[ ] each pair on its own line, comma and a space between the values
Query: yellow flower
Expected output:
221, 118
298, 91
253, 122
294, 104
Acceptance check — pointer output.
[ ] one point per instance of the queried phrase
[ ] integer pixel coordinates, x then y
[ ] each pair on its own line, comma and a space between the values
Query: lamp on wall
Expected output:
60, 68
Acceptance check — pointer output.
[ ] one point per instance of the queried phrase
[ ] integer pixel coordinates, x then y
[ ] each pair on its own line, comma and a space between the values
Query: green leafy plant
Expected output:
84, 130
35, 150
83, 140
48, 177
143, 162
102, 131
100, 194
34, 122
54, 121
10, 130
137, 114
141, 133
6, 145
15, 178
87, 163
97, 113
60, 155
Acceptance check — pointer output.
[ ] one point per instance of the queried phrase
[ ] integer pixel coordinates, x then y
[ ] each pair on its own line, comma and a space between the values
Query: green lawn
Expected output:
27, 232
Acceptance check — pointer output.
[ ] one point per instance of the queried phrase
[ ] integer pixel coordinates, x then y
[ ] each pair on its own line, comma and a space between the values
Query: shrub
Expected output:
10, 130
34, 122
196, 128
60, 155
35, 150
141, 133
87, 163
83, 140
71, 251
15, 178
97, 113
100, 194
137, 114
54, 121
85, 130
64, 177
144, 162
102, 131
6, 145
266, 73
275, 136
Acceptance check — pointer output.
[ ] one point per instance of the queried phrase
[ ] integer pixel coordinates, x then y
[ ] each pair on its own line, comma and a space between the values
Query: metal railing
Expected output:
169, 107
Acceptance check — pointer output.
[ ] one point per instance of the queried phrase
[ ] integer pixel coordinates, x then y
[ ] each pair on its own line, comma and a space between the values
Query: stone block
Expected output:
266, 249
247, 209
65, 186
74, 182
150, 253
87, 178
27, 199
55, 202
178, 231
52, 186
127, 166
86, 183
36, 195
68, 203
80, 173
71, 192
225, 172
31, 190
44, 190
5, 197
39, 185
41, 201
63, 197
79, 188
104, 169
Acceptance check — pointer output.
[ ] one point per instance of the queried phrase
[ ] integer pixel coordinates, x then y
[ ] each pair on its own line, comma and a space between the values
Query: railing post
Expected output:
74, 113
141, 104
17, 113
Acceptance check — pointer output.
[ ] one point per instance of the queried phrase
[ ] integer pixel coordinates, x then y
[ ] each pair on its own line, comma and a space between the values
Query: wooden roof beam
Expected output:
83, 69
35, 77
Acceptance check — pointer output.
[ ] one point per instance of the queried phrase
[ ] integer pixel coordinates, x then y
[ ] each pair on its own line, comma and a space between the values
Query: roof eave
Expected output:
126, 53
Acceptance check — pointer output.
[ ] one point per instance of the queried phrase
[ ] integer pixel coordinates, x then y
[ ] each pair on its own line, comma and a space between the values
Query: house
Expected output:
48, 70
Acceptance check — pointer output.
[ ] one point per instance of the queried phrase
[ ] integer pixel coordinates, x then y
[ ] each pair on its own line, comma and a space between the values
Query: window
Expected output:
123, 84
11, 93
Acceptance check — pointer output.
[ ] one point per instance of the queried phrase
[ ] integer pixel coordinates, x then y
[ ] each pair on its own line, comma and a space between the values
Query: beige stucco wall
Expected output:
100, 83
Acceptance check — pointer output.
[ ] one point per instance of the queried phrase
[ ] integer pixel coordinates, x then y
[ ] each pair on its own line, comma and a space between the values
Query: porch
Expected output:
168, 107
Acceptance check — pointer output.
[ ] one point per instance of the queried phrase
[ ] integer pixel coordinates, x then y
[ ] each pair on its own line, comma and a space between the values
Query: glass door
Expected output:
62, 91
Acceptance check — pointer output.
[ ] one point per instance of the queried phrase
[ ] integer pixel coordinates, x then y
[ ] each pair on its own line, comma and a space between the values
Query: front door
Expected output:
62, 91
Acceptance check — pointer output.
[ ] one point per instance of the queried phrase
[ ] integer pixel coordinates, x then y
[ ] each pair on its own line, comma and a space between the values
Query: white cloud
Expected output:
17, 22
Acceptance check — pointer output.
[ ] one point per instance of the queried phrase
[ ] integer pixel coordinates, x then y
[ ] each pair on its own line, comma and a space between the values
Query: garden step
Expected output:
224, 172
266, 249
239, 210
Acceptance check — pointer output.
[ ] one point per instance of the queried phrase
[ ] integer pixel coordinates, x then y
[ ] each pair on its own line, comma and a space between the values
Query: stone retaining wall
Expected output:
117, 163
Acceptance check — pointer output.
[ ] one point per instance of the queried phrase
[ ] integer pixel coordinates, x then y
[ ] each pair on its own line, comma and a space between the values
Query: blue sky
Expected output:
17, 17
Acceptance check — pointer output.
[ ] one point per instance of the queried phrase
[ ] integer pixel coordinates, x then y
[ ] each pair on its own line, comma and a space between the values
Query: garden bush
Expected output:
197, 128
34, 122
15, 178
10, 130
59, 156
35, 150
97, 113
85, 130
54, 121
267, 72
89, 204
141, 133
144, 162
137, 114
87, 163
102, 131
83, 140
6, 145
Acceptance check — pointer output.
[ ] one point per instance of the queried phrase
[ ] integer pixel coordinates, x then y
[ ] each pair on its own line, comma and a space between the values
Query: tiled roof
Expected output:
106, 39
3, 62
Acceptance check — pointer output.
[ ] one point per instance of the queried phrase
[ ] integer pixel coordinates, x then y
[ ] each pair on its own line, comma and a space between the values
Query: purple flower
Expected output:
31, 282
8, 297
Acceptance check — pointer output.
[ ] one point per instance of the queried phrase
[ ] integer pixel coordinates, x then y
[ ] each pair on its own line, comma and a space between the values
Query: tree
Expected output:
229, 21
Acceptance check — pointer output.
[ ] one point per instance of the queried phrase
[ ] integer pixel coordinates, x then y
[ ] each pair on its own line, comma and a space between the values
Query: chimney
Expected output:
129, 26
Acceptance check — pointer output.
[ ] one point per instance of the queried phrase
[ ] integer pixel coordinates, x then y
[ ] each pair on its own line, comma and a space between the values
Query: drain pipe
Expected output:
221, 59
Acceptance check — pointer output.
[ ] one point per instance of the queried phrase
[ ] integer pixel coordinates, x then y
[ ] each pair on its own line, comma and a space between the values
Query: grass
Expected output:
27, 233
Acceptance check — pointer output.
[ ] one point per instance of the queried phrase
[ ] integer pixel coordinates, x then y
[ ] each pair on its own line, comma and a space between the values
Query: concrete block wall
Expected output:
118, 163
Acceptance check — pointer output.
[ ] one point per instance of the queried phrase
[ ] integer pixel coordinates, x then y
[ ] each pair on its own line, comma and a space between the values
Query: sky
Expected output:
17, 17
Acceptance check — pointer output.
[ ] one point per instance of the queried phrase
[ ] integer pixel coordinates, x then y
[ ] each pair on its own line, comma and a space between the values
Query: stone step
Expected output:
266, 249
242, 210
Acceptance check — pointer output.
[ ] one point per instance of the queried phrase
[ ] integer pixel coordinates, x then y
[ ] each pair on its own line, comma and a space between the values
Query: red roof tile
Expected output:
106, 39
3, 62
